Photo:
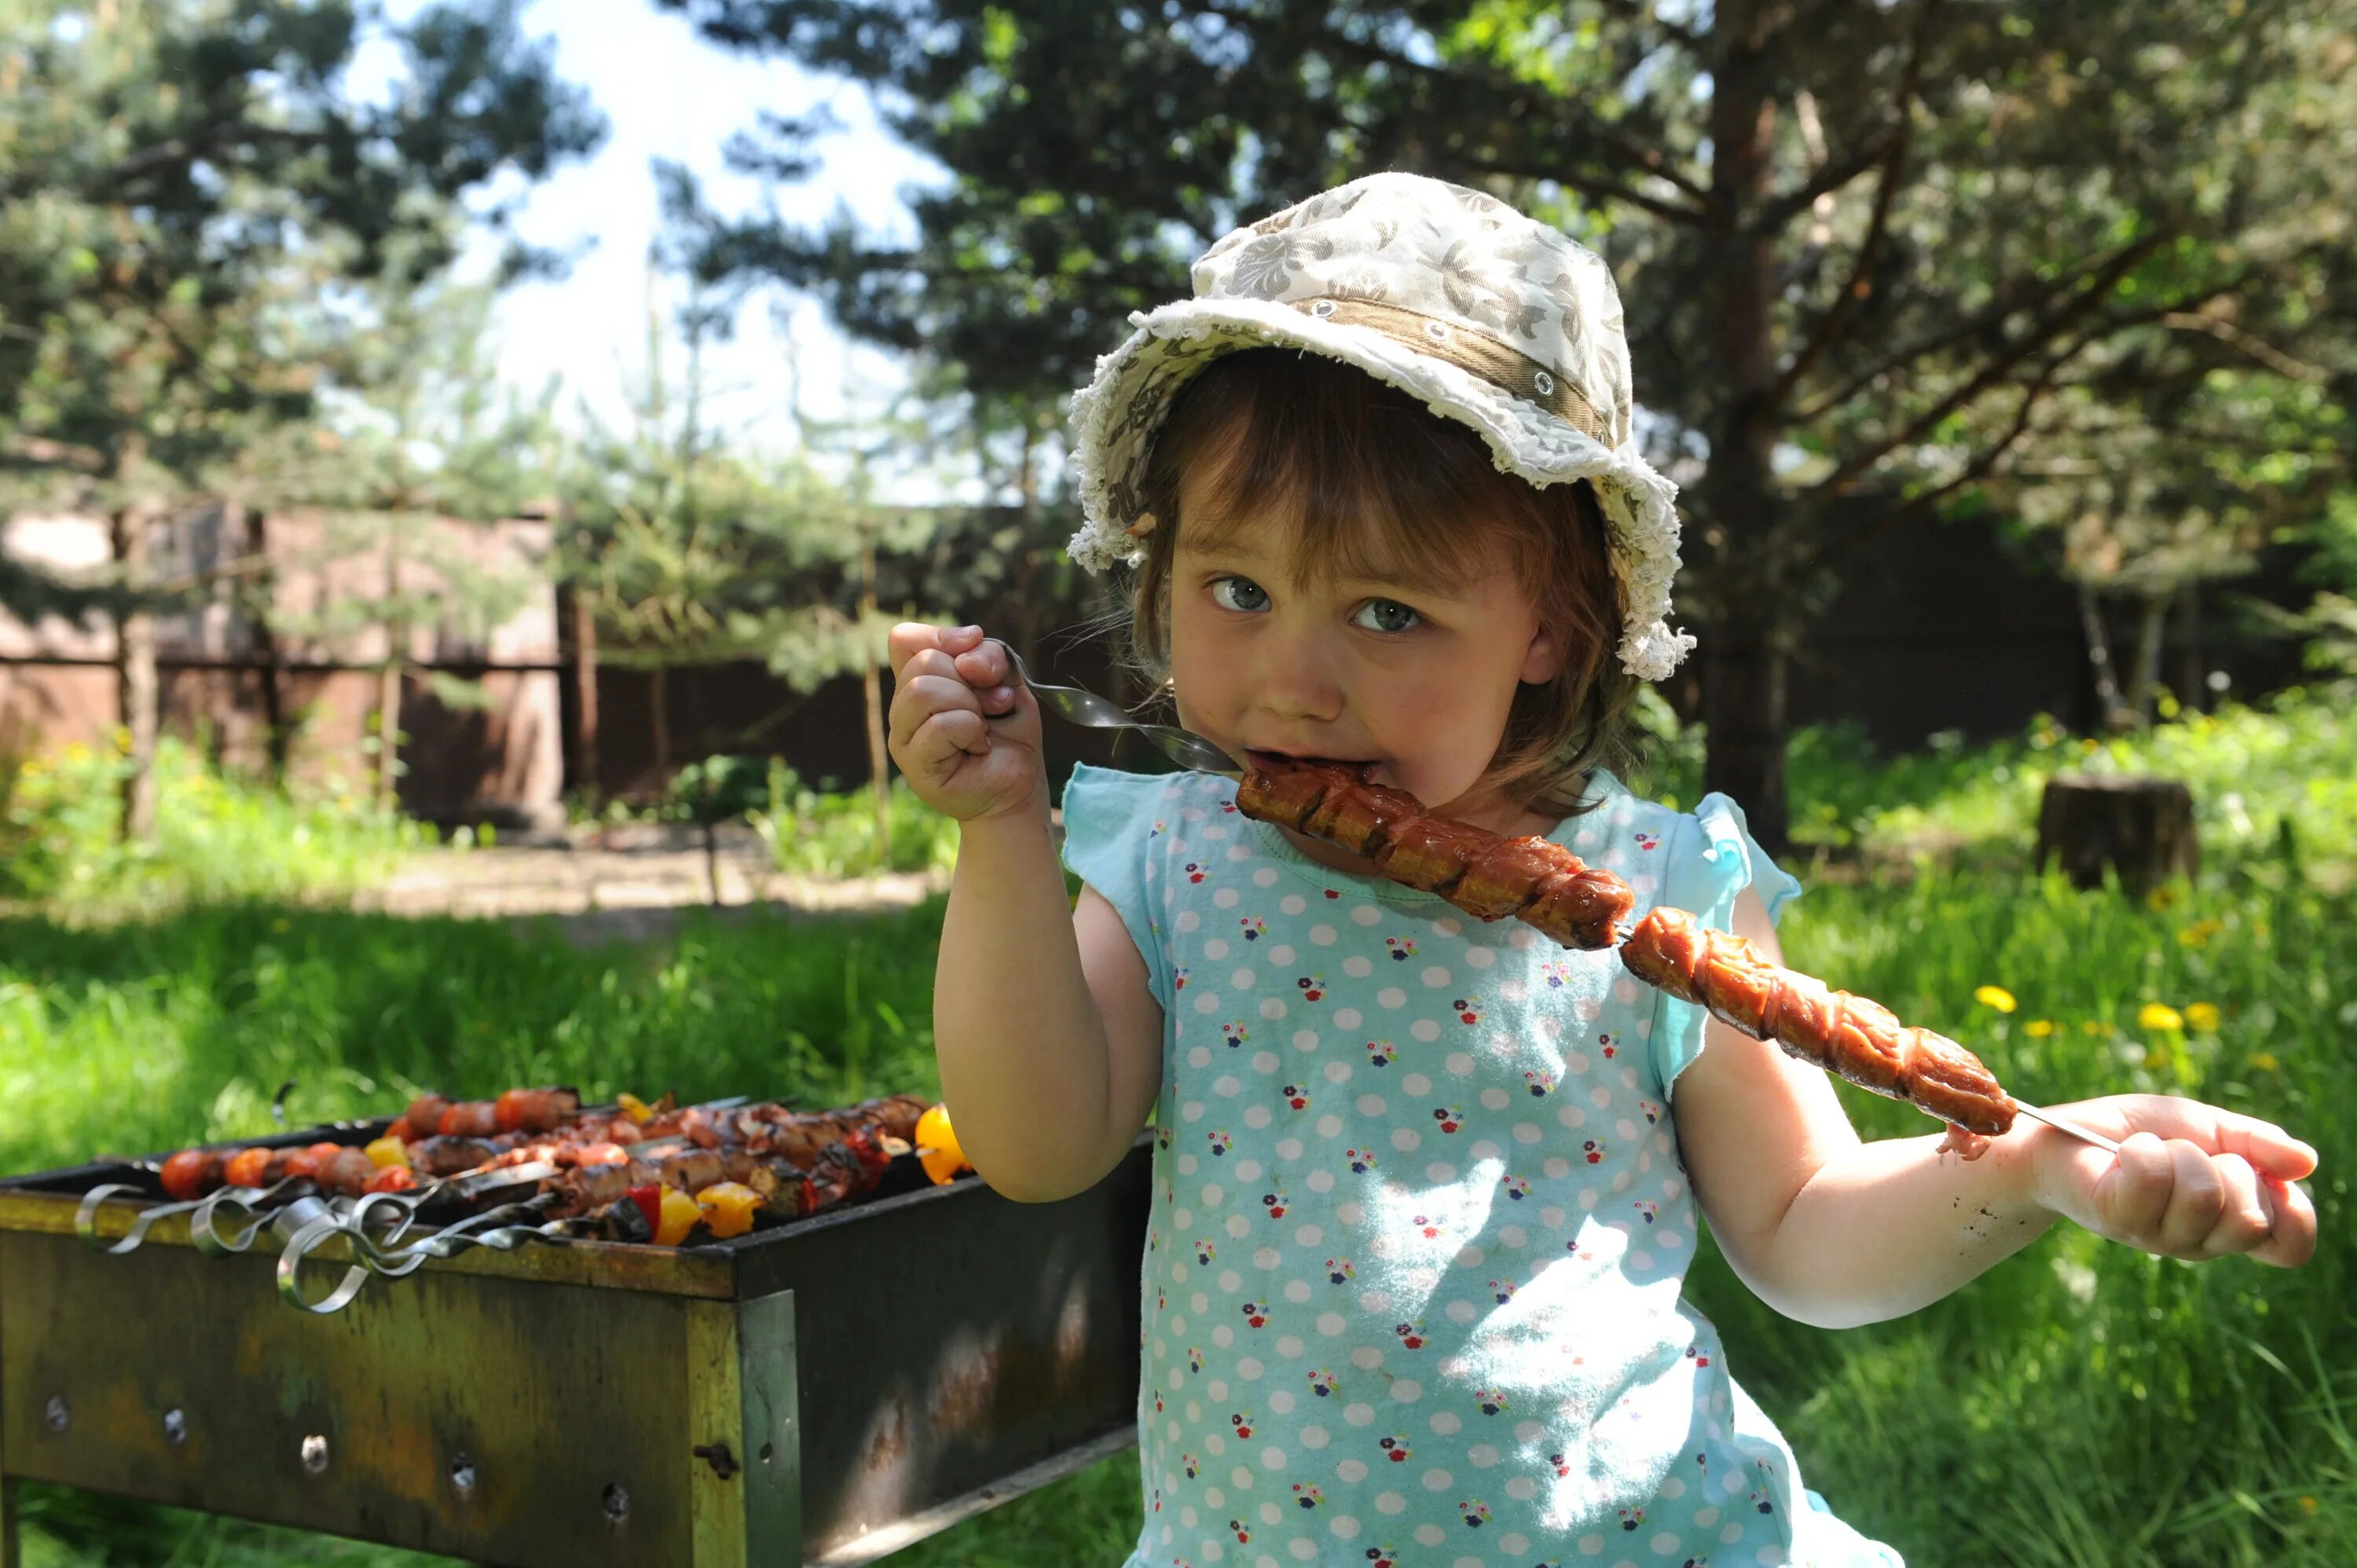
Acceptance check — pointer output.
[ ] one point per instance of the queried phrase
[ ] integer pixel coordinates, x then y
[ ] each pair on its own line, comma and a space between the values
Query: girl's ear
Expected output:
1543, 660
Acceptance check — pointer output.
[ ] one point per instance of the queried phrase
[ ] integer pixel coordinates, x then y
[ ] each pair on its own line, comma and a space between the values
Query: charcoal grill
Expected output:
822, 1393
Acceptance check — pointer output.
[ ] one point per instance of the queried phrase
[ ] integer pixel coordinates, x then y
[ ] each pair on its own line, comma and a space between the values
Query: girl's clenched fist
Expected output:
964, 732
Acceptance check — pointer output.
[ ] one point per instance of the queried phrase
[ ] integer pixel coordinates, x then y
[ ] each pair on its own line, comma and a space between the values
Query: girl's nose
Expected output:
1297, 680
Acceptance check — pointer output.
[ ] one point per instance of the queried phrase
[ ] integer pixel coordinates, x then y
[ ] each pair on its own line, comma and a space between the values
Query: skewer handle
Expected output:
2063, 1124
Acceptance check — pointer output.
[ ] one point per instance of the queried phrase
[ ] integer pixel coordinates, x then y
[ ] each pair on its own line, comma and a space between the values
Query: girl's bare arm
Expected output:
1835, 1232
1047, 1032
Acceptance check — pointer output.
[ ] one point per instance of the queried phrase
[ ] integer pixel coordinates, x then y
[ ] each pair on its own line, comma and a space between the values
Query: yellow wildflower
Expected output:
2038, 1028
2162, 899
2201, 1016
2159, 1015
1995, 996
2199, 933
2307, 1503
2265, 1062
2091, 1027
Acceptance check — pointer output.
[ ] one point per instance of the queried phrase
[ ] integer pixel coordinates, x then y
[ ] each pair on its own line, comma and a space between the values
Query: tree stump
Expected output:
2142, 828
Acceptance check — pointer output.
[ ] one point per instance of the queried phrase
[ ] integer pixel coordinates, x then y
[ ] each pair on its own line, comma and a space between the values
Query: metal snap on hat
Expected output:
1492, 319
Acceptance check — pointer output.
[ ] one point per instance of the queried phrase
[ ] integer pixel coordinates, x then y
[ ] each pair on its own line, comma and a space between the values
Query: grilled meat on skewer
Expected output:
1862, 1041
1484, 874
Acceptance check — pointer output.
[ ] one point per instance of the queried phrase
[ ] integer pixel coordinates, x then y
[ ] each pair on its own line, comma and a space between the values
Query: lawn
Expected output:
2080, 1405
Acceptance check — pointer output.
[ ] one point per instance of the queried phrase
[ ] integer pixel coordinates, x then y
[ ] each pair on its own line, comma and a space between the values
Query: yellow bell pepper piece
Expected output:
937, 1146
728, 1207
388, 1151
680, 1216
634, 1108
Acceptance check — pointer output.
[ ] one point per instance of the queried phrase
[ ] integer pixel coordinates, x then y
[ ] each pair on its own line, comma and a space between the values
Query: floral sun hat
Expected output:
1494, 320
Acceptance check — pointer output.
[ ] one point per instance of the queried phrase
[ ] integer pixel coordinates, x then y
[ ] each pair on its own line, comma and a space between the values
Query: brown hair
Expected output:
1368, 468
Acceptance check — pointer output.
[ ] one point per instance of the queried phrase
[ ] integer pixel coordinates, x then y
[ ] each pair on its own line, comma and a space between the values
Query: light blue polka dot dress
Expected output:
1412, 1275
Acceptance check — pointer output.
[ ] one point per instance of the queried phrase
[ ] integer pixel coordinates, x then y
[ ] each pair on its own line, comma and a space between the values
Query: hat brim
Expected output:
1116, 417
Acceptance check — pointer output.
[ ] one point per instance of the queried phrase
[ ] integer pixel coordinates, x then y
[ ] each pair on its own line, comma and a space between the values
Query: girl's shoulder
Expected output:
1697, 860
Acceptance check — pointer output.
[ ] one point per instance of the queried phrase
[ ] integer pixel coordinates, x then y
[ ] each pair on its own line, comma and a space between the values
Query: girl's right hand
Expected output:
966, 734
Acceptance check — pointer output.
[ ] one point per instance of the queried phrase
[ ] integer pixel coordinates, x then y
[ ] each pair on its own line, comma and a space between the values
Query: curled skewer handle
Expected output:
299, 1246
407, 1259
205, 1223
86, 1216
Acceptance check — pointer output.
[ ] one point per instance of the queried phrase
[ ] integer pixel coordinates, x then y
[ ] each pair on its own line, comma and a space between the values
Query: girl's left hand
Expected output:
2191, 1180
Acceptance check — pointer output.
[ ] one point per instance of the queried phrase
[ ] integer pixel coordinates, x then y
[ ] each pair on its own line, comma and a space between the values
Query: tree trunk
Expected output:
2192, 681
2152, 625
137, 695
2140, 828
1747, 540
388, 681
585, 696
275, 740
878, 760
2115, 708
658, 720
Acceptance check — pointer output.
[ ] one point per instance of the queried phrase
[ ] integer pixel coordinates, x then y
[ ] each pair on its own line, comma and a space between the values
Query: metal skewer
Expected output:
1183, 746
2064, 1124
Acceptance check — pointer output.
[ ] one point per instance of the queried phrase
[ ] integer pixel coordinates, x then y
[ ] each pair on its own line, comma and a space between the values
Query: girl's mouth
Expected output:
1273, 761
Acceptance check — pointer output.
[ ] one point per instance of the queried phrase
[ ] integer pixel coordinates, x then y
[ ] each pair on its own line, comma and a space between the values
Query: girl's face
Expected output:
1413, 677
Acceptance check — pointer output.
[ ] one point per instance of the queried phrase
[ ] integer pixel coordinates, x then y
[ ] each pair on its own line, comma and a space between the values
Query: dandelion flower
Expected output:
2159, 1015
2038, 1028
1995, 996
2265, 1062
2202, 1016
2091, 1026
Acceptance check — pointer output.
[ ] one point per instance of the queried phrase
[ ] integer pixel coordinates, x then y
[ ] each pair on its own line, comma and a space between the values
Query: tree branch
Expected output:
1594, 186
1854, 287
2056, 323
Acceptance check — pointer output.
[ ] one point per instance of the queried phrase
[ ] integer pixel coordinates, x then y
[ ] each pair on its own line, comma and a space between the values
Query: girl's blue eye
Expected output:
1385, 615
1239, 594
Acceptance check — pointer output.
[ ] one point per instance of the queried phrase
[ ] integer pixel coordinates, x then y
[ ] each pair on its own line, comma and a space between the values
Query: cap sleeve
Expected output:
1712, 857
1109, 843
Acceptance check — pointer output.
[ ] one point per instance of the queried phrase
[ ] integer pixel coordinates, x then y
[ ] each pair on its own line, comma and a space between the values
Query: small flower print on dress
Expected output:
1363, 1161
1296, 1096
1219, 1141
1255, 1312
1632, 1519
1468, 1009
1243, 1421
1517, 1187
1234, 1033
1312, 987
1194, 1357
1402, 948
1186, 1462
1244, 1536
1338, 1270
1157, 1402
1647, 1208
1333, 893
1255, 928
1227, 807
1562, 1464
1759, 1495
1491, 1401
1179, 980
1157, 828
1652, 1113
1307, 1496
1429, 1228
1381, 1054
1611, 1042
1449, 1117
1475, 1513
1556, 975
1205, 1252
1541, 1084
1195, 871
1395, 1449
1648, 841
1595, 1150
1383, 1557
1504, 1292
1274, 1203
1411, 1335
1694, 1354
1322, 1383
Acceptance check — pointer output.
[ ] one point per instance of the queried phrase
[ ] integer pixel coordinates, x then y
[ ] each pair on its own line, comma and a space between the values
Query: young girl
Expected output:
1425, 1189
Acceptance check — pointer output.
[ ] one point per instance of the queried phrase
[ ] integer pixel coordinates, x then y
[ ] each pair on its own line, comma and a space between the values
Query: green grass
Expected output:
2081, 1405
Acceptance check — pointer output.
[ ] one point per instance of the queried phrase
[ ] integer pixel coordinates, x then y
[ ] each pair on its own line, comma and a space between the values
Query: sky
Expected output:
667, 94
